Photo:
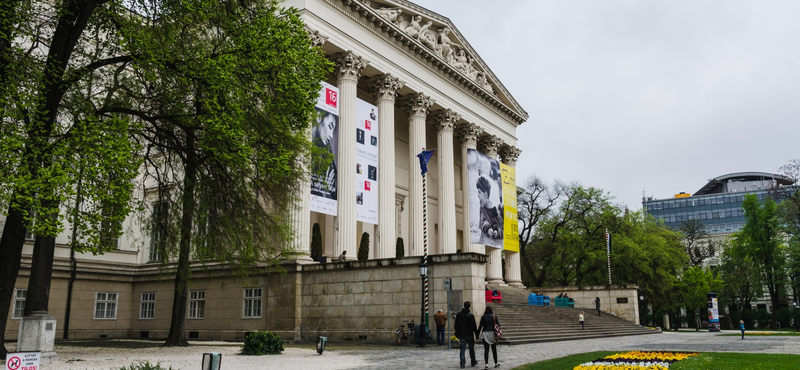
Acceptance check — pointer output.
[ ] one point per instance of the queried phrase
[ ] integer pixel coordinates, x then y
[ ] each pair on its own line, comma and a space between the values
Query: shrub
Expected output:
262, 343
143, 365
399, 249
316, 241
363, 248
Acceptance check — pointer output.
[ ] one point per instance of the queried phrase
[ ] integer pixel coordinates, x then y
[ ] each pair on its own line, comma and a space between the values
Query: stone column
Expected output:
348, 69
417, 105
444, 122
509, 154
301, 218
469, 133
385, 88
494, 268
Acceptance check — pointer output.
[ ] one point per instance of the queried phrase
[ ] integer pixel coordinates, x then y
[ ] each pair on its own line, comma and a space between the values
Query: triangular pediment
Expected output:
438, 39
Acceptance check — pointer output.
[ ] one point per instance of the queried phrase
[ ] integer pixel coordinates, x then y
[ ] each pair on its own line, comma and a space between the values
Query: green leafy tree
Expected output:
789, 214
316, 241
363, 247
399, 248
761, 241
536, 202
742, 281
695, 282
58, 63
225, 127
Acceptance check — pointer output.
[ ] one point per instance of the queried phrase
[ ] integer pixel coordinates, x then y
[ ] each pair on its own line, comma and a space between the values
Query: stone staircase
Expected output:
522, 323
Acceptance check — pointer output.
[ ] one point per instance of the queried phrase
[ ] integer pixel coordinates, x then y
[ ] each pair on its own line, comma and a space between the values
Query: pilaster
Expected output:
348, 69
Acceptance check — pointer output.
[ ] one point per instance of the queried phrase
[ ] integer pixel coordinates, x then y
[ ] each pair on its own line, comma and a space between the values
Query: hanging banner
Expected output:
367, 162
485, 200
510, 222
325, 135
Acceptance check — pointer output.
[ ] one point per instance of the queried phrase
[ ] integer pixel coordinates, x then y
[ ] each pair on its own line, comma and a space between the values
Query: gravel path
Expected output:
104, 355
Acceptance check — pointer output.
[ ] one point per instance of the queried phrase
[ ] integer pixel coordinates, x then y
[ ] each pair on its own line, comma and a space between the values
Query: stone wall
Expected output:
619, 300
341, 296
383, 293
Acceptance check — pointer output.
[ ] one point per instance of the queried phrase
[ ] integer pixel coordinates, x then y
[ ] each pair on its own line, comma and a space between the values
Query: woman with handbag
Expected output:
490, 333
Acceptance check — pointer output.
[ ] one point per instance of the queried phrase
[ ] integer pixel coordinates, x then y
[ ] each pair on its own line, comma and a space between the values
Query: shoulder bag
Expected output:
497, 332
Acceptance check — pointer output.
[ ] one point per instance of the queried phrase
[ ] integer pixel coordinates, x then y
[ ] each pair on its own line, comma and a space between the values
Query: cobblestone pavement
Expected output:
107, 354
512, 356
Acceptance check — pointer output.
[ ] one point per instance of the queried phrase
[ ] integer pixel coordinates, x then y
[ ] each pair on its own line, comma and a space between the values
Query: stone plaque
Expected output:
455, 303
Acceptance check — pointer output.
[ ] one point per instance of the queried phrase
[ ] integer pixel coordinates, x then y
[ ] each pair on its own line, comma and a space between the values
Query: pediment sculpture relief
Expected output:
438, 41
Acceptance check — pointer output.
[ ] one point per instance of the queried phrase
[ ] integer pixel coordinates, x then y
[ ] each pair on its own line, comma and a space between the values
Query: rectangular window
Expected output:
19, 303
197, 304
105, 305
252, 302
158, 231
147, 308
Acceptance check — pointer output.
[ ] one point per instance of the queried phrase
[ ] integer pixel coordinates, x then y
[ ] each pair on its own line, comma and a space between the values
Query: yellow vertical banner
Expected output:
510, 222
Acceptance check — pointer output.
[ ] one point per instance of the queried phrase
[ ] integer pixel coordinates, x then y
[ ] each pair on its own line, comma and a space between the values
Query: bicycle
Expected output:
405, 336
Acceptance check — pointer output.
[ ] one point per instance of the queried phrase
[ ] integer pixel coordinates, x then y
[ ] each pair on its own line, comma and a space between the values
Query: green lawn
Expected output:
705, 361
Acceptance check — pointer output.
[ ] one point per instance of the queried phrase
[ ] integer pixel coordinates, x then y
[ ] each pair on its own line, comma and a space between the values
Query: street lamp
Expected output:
423, 272
796, 306
641, 311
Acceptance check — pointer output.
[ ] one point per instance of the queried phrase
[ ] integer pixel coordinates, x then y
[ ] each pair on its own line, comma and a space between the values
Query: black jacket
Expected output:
487, 322
465, 324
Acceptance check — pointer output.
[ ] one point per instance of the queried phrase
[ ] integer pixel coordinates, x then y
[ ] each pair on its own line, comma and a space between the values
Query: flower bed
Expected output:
636, 360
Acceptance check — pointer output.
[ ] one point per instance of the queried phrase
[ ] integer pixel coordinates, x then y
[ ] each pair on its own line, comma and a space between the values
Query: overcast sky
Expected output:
643, 95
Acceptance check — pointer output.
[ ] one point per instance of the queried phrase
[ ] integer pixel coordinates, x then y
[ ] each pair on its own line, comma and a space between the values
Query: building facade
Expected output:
430, 90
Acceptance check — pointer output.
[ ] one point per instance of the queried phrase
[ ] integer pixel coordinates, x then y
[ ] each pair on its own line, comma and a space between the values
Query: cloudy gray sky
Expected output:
653, 95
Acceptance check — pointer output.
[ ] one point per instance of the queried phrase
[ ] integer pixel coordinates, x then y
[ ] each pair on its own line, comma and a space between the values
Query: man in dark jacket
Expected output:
466, 331
597, 305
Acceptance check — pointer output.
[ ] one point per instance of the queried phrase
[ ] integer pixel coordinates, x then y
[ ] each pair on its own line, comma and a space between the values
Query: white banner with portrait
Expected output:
367, 162
325, 135
485, 200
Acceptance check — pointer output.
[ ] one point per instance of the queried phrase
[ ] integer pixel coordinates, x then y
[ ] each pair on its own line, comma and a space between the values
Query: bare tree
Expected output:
696, 241
535, 202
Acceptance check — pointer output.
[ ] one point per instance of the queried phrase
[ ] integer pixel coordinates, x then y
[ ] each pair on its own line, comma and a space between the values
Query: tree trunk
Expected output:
10, 254
177, 328
41, 271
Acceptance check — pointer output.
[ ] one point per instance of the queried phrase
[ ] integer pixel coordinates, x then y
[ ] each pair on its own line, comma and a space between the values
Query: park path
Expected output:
392, 357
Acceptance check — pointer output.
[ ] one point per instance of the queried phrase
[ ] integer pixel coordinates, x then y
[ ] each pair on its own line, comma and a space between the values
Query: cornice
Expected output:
367, 17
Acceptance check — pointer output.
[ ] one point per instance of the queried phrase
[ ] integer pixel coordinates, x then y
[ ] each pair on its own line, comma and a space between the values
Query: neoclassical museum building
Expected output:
405, 80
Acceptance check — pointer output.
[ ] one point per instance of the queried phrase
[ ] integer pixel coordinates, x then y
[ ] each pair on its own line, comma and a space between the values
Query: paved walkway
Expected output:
105, 355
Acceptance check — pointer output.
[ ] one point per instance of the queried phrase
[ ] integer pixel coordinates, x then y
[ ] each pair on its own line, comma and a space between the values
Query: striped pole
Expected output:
425, 237
608, 255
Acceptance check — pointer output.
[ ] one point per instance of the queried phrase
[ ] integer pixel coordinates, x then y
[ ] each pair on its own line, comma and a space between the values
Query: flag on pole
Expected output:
424, 157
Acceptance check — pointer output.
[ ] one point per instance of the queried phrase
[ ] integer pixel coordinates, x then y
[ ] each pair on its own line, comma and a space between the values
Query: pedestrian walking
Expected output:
440, 318
466, 332
488, 335
597, 305
741, 327
580, 318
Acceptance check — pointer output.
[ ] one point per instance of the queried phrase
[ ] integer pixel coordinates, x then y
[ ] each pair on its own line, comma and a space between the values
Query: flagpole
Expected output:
425, 236
608, 255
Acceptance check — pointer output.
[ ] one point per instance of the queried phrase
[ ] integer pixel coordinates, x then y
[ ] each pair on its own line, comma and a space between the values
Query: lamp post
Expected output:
423, 273
796, 306
641, 311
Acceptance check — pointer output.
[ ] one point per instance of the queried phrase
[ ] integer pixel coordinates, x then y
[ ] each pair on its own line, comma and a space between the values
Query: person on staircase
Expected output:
597, 305
488, 322
581, 319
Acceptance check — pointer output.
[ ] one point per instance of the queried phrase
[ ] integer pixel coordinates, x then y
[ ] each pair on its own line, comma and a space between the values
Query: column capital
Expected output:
490, 144
509, 154
417, 104
445, 120
385, 87
349, 66
316, 38
469, 133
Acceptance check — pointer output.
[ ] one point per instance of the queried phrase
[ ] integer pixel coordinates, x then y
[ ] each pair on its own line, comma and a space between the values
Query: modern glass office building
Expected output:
718, 204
